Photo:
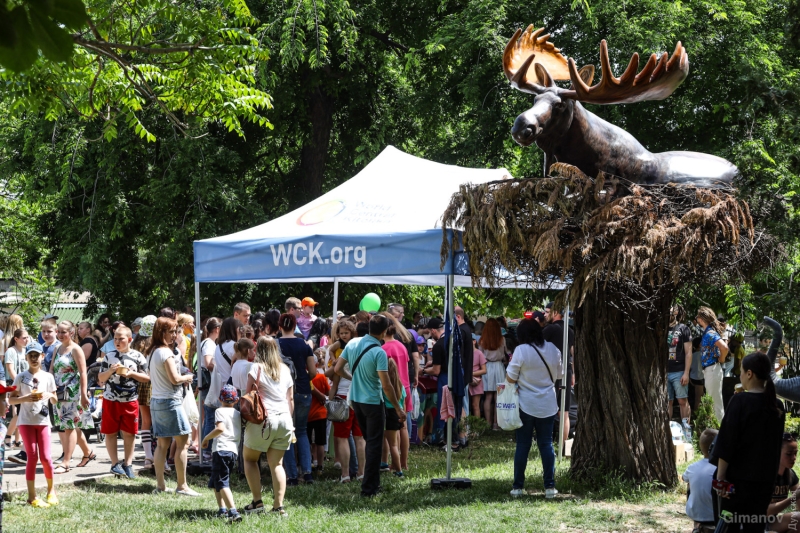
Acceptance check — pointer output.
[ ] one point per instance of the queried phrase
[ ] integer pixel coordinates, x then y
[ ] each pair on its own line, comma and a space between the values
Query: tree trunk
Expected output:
621, 360
314, 154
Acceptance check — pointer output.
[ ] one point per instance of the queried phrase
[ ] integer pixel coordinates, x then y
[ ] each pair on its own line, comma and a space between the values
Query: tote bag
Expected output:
508, 406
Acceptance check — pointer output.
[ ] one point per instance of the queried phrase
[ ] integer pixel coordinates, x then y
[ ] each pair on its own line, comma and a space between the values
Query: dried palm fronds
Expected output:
578, 229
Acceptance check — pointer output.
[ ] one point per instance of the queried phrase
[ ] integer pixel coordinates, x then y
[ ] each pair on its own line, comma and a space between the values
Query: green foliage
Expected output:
792, 425
190, 62
32, 25
703, 418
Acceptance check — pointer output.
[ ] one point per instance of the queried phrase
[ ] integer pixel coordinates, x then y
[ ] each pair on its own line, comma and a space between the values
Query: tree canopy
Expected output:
117, 215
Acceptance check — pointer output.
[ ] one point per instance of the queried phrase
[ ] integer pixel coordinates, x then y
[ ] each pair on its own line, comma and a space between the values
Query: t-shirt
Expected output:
783, 485
304, 324
108, 347
229, 440
239, 374
397, 351
366, 386
93, 352
677, 336
318, 411
699, 506
697, 370
222, 366
207, 349
273, 393
535, 384
440, 357
16, 359
478, 360
162, 388
403, 399
48, 353
118, 388
709, 352
35, 413
299, 352
750, 438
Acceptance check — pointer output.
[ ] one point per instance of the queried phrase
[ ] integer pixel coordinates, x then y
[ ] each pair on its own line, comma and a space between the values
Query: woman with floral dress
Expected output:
72, 413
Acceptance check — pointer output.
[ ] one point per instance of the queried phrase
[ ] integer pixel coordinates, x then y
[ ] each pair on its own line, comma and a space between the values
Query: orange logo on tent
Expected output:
321, 213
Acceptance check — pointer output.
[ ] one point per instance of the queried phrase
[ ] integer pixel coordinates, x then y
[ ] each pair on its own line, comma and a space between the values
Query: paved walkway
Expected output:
14, 474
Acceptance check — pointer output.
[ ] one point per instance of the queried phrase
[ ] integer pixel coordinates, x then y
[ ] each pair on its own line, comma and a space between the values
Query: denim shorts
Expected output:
222, 464
169, 418
674, 387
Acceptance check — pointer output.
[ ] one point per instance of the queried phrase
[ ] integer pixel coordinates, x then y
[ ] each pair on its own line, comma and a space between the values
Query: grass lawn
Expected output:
409, 504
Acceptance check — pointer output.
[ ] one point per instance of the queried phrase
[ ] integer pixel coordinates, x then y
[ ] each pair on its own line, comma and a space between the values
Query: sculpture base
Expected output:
452, 483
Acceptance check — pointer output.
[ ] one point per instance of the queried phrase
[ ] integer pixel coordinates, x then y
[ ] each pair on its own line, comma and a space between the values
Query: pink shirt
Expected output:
304, 323
396, 350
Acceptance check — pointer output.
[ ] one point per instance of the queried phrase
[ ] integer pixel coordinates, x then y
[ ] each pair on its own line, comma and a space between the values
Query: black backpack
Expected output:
288, 362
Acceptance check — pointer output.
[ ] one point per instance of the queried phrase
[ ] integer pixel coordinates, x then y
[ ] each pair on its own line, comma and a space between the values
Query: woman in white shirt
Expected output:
207, 348
534, 367
276, 389
166, 404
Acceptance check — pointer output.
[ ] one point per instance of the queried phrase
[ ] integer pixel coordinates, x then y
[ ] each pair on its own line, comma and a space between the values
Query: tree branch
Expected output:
384, 38
144, 49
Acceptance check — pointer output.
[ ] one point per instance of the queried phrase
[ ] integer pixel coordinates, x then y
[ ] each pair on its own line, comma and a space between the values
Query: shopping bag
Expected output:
190, 407
508, 406
415, 407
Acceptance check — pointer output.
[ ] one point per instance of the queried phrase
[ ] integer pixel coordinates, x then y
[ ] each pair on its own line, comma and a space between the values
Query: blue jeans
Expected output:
544, 441
302, 404
208, 418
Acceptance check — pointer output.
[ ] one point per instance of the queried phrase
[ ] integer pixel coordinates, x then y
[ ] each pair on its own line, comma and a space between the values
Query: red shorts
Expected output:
341, 430
120, 416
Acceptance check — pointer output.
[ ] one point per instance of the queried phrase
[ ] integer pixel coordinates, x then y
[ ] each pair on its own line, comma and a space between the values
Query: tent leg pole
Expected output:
198, 331
335, 299
565, 386
450, 318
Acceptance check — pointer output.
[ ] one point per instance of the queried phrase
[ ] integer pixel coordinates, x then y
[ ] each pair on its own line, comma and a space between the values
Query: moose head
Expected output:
567, 132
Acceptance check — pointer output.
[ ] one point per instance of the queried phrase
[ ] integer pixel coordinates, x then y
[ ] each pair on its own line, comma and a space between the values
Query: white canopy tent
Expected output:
381, 226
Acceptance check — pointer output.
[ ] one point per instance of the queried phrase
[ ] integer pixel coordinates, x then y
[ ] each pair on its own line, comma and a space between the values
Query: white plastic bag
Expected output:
415, 407
508, 406
190, 407
212, 396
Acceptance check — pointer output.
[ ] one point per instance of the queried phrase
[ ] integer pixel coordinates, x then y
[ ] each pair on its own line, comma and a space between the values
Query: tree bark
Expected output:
314, 153
621, 359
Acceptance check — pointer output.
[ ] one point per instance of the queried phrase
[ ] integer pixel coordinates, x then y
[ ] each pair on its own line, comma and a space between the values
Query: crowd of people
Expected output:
144, 379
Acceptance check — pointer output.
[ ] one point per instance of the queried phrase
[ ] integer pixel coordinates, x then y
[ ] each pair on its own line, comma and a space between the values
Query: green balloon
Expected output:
370, 302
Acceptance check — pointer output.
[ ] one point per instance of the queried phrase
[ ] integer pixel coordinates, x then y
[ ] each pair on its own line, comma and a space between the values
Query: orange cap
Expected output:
308, 302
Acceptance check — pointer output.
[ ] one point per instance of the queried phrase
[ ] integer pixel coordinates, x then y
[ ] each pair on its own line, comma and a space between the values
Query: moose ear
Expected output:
587, 74
543, 76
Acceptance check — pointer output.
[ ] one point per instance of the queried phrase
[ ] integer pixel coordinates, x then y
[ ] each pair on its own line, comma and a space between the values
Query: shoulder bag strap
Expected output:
544, 362
224, 355
358, 359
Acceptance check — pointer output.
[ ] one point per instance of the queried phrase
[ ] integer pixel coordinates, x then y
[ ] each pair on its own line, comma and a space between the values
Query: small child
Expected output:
318, 414
226, 435
698, 477
35, 388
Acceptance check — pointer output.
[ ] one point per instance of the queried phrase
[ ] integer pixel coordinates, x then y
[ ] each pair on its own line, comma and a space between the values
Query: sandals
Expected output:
345, 479
86, 460
280, 511
254, 507
61, 469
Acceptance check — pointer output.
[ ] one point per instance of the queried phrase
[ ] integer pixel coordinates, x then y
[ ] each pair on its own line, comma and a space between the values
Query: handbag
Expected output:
61, 393
338, 410
251, 406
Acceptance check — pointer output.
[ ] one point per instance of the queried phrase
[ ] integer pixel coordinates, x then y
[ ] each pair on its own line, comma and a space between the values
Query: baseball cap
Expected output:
34, 347
538, 315
47, 317
228, 394
148, 323
435, 323
137, 322
339, 314
417, 337
476, 337
308, 302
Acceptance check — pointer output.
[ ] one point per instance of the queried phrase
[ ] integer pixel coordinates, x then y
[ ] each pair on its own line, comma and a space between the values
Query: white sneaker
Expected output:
518, 492
187, 492
550, 493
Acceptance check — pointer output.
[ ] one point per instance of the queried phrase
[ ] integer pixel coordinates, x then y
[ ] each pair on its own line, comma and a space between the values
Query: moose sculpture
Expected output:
568, 133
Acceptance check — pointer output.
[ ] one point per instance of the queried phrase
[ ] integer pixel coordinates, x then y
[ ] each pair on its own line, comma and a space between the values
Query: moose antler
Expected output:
658, 79
520, 52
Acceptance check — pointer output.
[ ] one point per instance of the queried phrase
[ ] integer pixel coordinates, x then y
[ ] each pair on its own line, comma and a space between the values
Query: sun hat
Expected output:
148, 323
137, 322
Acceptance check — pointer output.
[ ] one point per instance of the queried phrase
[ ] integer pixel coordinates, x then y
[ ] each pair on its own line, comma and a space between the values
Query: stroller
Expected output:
95, 402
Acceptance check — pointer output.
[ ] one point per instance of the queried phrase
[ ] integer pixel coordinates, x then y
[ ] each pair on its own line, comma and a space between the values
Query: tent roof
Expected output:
381, 226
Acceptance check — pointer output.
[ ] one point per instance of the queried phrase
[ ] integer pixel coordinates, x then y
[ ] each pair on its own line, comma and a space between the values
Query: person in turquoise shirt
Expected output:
370, 380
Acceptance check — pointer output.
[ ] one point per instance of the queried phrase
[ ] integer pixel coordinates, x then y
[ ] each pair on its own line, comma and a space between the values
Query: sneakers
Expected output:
292, 482
399, 474
518, 492
128, 471
384, 467
39, 504
187, 492
117, 470
550, 493
52, 500
222, 513
21, 458
308, 479
687, 430
234, 516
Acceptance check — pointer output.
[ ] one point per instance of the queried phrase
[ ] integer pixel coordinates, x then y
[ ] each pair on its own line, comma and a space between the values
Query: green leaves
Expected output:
38, 24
